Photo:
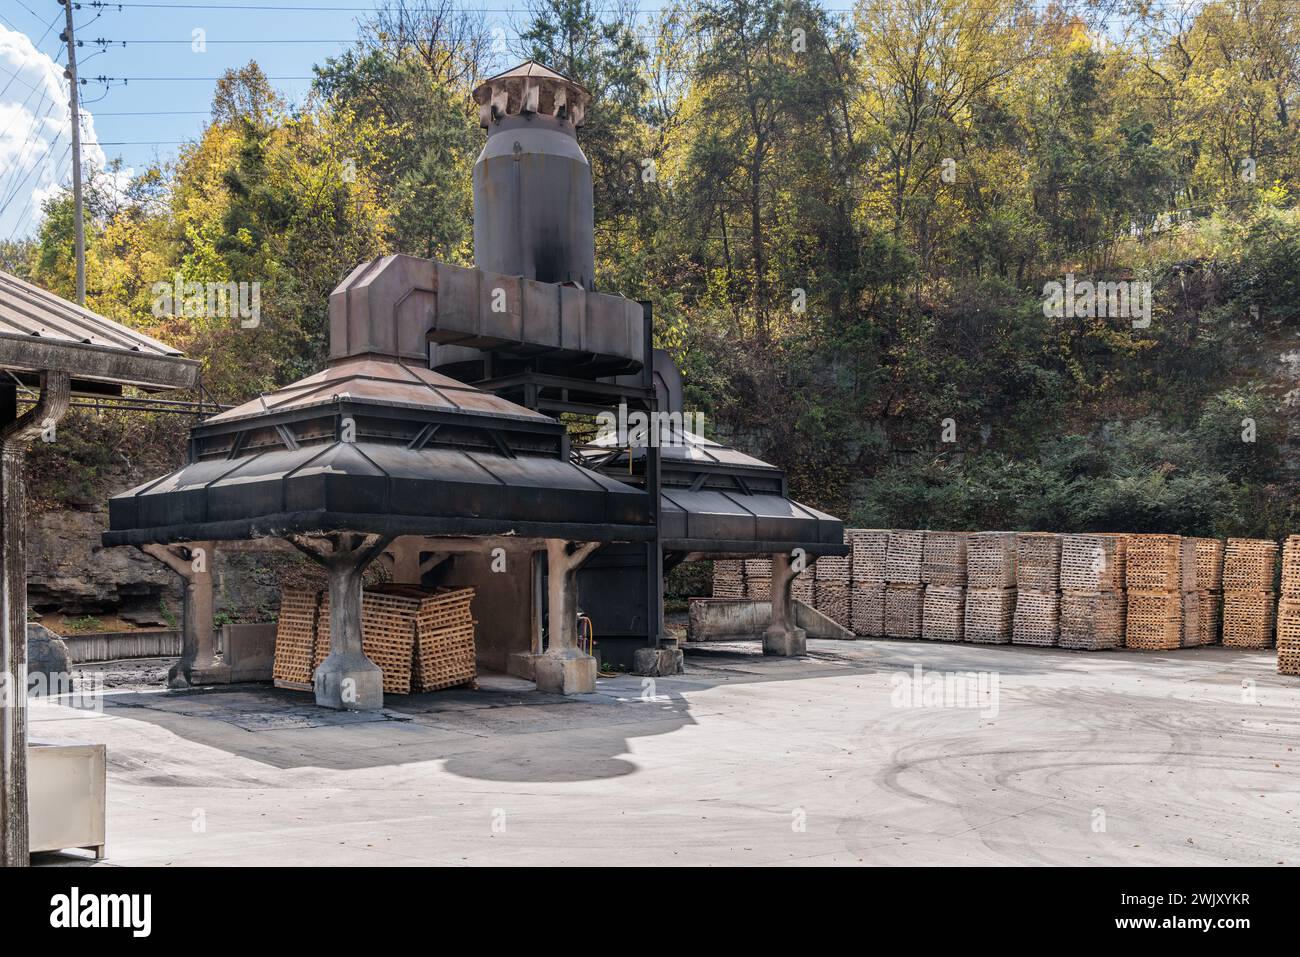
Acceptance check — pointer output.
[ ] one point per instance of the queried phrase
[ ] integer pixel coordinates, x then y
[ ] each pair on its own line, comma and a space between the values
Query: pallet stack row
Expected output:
943, 573
870, 550
1249, 601
831, 587
904, 594
758, 578
1038, 589
1092, 591
990, 587
1288, 610
1159, 570
1203, 607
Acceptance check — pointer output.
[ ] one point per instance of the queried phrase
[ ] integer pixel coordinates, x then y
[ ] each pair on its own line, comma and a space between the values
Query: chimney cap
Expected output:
531, 87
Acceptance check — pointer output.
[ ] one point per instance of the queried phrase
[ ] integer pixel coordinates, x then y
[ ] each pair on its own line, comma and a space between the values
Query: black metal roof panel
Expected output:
375, 487
733, 522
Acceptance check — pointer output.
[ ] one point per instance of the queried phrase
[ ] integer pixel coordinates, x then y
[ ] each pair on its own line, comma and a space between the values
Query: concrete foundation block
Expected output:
658, 662
785, 642
182, 676
568, 671
350, 682
523, 664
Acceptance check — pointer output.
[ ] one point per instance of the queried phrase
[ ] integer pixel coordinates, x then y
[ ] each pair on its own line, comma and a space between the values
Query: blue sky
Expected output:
146, 117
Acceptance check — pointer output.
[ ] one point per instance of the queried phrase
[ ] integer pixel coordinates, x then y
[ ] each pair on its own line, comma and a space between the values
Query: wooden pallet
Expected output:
446, 655
1153, 619
904, 606
758, 567
903, 557
1250, 564
991, 560
1160, 563
1092, 621
943, 558
943, 615
832, 600
989, 615
1037, 618
867, 609
870, 549
1038, 561
1193, 609
1093, 563
1209, 564
1288, 636
1249, 618
758, 589
1291, 568
1211, 618
421, 639
801, 589
832, 568
295, 640
728, 579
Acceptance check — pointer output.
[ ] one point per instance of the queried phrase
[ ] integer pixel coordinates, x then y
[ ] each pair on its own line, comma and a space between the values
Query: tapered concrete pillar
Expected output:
346, 680
564, 668
199, 664
783, 637
16, 433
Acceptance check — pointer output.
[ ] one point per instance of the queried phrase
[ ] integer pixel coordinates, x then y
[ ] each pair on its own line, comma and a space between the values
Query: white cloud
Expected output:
34, 133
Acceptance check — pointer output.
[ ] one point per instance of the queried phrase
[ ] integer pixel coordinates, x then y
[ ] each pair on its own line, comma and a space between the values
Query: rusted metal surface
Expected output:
396, 306
533, 204
39, 331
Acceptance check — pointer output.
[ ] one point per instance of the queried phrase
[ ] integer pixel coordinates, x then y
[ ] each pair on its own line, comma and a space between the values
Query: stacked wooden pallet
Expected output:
990, 587
295, 640
758, 578
1288, 609
421, 639
1202, 607
728, 579
944, 612
1038, 597
1249, 600
904, 594
943, 573
1159, 570
867, 573
1092, 591
831, 587
904, 607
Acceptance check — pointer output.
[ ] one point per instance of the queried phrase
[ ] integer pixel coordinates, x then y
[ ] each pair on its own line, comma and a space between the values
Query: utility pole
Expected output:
77, 215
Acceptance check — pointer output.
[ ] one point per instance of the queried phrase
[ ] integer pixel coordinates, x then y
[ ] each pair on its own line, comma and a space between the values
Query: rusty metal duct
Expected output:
533, 206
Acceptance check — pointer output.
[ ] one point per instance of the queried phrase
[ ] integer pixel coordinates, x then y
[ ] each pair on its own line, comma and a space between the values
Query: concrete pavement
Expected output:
847, 756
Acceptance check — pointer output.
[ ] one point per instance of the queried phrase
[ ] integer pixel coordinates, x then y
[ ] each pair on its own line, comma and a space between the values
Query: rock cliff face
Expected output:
70, 572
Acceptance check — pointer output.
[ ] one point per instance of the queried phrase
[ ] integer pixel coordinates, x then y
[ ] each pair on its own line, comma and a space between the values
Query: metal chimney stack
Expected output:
533, 206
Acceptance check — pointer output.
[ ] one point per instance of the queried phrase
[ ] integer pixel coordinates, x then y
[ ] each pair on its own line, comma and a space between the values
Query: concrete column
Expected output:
402, 559
783, 637
346, 679
564, 668
15, 435
199, 664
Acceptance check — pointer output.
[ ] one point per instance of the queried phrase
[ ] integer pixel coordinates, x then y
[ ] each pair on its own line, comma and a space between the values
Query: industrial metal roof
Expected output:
372, 445
39, 331
720, 500
384, 382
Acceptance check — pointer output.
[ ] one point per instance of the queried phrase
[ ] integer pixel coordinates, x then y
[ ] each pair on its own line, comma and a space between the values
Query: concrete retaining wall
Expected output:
723, 619
113, 645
